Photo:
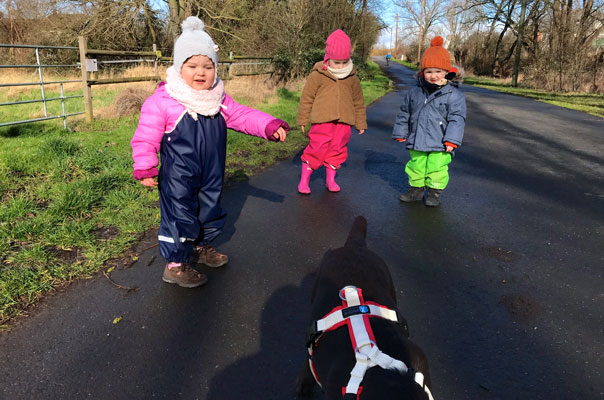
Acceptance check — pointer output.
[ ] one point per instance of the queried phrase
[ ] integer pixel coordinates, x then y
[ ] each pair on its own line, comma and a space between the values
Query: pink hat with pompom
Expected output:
337, 46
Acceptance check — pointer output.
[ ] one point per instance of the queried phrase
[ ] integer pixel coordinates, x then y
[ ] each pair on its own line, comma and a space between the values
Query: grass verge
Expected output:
590, 103
407, 64
69, 205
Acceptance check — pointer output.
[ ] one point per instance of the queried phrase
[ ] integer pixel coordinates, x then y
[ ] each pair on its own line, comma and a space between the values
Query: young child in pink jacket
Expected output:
186, 121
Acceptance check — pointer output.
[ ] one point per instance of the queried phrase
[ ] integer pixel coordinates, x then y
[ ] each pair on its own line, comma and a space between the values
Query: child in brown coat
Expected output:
333, 97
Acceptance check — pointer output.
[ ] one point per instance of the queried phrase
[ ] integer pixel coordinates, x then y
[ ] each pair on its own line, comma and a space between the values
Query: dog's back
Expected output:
355, 265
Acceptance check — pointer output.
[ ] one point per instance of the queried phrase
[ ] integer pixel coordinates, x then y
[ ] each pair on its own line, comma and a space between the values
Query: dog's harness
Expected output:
355, 312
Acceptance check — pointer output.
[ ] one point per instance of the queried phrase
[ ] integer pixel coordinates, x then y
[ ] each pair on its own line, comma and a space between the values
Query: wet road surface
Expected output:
501, 286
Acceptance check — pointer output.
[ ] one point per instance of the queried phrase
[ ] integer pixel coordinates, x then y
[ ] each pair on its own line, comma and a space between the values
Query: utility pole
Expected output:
519, 44
421, 29
395, 36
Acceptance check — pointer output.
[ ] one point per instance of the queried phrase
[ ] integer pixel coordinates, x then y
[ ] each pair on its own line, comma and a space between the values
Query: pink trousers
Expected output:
328, 145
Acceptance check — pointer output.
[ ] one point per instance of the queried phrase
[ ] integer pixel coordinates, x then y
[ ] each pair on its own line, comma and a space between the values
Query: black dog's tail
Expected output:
358, 233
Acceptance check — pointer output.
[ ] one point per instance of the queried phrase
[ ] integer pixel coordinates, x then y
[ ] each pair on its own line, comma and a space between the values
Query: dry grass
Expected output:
127, 98
253, 90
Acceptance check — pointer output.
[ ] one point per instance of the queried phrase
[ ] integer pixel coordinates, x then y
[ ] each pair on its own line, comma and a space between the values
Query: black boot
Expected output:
413, 194
433, 197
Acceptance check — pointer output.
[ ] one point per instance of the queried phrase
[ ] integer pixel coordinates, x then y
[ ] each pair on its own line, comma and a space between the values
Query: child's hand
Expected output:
280, 134
361, 131
149, 182
449, 148
401, 140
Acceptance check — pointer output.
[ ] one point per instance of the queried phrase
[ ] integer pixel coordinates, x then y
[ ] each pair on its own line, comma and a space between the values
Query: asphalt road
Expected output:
501, 285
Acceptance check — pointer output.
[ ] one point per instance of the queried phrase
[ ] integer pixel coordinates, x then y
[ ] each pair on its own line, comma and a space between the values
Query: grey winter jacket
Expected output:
427, 121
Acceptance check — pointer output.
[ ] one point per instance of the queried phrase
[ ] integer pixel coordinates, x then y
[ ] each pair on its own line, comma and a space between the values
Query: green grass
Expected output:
375, 88
590, 103
101, 98
69, 204
406, 64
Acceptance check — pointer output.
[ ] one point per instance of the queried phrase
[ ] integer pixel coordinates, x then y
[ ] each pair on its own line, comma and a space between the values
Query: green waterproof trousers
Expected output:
428, 169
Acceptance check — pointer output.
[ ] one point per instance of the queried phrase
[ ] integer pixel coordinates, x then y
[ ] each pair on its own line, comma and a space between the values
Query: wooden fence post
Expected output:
155, 58
85, 86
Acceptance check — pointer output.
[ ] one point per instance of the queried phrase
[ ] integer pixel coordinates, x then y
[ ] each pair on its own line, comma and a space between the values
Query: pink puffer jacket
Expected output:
160, 114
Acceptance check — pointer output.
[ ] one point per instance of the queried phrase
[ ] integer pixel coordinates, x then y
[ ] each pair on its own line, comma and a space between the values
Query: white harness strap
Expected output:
367, 354
336, 317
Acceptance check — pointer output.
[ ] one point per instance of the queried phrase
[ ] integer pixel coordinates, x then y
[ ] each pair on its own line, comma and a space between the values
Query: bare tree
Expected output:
458, 22
179, 10
422, 15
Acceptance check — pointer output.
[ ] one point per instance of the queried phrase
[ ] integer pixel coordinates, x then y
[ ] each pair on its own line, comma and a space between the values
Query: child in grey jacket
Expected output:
431, 122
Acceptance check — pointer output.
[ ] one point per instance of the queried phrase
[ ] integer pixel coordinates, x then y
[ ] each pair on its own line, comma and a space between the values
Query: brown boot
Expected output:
209, 256
184, 276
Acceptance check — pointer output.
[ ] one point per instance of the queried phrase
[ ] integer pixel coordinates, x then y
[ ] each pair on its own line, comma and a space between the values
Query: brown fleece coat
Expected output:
328, 99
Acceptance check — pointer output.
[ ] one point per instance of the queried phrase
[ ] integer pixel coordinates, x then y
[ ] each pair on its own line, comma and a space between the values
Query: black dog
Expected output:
333, 357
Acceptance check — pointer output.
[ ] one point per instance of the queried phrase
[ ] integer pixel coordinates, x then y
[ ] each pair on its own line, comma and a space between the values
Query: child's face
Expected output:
337, 64
435, 75
198, 72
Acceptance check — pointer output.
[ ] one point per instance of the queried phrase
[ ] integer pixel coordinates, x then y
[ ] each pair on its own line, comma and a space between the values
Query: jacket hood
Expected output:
319, 68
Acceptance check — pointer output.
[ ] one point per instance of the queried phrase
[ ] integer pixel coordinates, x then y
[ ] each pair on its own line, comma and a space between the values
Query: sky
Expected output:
388, 15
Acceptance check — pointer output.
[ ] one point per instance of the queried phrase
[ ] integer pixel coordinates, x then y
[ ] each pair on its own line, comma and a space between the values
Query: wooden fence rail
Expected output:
86, 62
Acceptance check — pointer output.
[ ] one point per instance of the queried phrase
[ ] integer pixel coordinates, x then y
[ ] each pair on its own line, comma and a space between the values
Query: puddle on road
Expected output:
521, 309
499, 253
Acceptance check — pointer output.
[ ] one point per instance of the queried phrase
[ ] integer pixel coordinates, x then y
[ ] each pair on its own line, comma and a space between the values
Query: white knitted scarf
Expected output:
205, 102
342, 72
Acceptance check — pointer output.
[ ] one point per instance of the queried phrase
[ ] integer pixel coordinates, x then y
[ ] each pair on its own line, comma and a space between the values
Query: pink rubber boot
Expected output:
330, 180
305, 179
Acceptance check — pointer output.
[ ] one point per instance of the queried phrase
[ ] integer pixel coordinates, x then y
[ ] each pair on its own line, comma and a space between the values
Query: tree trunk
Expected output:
519, 43
497, 47
147, 13
420, 39
178, 9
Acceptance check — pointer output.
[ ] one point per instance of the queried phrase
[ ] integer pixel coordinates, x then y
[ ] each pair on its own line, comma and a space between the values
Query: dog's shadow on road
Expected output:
271, 373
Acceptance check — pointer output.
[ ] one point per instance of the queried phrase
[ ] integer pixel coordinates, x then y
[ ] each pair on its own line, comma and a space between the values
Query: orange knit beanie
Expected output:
436, 56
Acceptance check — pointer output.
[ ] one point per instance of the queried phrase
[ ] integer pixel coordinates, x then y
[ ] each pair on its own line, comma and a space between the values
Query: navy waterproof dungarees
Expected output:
190, 185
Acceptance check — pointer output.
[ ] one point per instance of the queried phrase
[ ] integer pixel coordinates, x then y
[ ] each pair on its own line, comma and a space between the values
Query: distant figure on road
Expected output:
431, 122
333, 97
388, 57
186, 120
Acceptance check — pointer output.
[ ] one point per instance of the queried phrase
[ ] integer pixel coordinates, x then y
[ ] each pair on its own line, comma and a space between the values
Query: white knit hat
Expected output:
192, 42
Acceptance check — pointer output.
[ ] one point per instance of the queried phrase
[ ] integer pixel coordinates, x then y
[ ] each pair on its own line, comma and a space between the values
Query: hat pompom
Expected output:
192, 24
437, 41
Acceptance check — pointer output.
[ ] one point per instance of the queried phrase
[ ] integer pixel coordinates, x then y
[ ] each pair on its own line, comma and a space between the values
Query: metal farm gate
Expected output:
41, 83
89, 64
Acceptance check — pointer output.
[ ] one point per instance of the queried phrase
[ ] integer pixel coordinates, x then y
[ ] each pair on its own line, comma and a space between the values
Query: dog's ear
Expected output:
358, 233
